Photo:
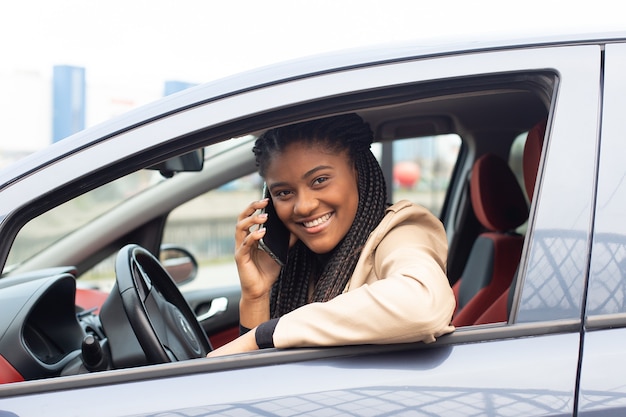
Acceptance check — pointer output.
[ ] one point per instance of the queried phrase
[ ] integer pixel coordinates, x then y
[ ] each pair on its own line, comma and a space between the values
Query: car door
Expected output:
602, 388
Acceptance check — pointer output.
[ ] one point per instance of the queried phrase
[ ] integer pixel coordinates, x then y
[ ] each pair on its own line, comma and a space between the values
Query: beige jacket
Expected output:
398, 293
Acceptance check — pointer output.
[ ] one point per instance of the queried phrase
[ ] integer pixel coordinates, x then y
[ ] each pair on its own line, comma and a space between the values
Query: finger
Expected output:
249, 245
252, 208
252, 239
246, 219
247, 226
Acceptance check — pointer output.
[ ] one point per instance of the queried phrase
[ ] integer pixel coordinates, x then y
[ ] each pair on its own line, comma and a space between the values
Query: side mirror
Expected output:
179, 263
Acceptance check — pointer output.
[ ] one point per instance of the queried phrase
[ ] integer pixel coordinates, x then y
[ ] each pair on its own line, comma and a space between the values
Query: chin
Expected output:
321, 249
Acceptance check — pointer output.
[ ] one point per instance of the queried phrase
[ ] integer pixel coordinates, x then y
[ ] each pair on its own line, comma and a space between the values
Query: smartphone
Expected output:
276, 239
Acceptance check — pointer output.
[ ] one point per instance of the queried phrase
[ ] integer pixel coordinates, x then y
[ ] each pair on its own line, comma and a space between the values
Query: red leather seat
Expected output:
499, 310
500, 206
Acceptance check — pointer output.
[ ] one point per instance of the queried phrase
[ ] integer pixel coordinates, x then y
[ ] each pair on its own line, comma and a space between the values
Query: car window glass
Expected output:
206, 226
422, 168
516, 156
62, 220
557, 260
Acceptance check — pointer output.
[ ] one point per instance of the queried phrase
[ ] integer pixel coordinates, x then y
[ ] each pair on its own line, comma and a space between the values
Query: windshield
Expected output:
53, 225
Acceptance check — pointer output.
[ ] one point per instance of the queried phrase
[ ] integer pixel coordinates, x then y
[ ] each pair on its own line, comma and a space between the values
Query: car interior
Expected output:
486, 205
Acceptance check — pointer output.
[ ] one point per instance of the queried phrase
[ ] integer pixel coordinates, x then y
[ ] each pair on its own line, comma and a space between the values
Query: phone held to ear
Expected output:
276, 239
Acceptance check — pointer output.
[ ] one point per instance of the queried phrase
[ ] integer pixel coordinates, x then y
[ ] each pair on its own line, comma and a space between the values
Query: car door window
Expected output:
206, 227
555, 272
421, 172
52, 226
422, 169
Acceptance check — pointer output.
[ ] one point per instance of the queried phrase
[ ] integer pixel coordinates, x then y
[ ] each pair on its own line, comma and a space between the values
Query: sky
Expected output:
201, 40
144, 42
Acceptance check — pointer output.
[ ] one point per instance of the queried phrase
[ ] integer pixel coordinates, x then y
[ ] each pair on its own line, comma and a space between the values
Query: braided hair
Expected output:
303, 268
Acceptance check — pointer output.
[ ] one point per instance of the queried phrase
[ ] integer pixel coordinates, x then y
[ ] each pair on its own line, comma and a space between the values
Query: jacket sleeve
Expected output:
411, 299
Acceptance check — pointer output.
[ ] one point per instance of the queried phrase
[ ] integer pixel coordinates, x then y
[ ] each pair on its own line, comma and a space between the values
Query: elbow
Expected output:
434, 319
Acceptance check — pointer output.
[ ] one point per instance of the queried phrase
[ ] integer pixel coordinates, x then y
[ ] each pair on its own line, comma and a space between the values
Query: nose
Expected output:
305, 203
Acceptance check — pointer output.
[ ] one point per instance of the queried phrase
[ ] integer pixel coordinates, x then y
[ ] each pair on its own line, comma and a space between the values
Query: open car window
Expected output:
420, 171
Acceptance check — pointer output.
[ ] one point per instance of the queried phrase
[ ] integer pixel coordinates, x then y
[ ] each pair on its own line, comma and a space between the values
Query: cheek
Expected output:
354, 205
354, 199
350, 203
283, 211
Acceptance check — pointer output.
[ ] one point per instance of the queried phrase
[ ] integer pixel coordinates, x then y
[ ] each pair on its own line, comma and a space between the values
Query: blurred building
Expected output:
38, 107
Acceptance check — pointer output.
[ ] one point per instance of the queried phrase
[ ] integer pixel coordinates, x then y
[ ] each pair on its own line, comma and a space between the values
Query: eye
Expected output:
320, 180
282, 193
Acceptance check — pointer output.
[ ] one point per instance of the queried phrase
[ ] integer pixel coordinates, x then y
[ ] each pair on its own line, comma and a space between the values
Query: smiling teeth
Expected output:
317, 222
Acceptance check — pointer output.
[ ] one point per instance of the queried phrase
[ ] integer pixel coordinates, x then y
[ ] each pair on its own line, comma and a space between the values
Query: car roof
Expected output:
281, 72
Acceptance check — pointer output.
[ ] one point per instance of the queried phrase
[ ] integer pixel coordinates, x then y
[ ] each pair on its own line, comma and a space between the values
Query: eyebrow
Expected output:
314, 170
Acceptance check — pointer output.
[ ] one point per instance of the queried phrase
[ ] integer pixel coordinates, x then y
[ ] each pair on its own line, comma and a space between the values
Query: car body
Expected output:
558, 351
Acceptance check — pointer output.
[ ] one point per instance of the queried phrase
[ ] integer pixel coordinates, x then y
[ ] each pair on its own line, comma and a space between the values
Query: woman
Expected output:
358, 271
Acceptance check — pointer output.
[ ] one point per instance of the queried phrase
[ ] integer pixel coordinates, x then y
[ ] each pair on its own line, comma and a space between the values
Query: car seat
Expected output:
499, 310
500, 206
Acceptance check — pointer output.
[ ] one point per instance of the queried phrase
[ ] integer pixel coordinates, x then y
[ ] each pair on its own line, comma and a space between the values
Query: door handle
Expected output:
218, 305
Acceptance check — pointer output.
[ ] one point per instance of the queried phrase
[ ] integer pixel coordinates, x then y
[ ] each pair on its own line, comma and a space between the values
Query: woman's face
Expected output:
315, 194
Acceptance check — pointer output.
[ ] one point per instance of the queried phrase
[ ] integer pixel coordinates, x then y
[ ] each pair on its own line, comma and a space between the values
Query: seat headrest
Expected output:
497, 198
532, 156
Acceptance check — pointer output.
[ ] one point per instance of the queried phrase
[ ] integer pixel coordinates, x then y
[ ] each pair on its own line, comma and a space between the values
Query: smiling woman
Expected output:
351, 254
318, 205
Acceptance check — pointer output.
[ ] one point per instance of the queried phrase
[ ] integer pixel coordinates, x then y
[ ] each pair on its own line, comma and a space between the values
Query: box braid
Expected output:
303, 268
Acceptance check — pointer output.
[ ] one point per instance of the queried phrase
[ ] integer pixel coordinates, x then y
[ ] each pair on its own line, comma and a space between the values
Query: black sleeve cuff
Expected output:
264, 334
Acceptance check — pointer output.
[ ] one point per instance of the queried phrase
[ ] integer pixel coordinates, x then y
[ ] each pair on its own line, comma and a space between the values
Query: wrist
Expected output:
252, 298
253, 312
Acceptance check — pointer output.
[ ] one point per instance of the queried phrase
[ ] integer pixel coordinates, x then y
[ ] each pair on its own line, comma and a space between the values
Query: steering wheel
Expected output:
165, 325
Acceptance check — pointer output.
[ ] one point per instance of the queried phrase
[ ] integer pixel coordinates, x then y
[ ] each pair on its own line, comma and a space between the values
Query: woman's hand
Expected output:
244, 343
257, 270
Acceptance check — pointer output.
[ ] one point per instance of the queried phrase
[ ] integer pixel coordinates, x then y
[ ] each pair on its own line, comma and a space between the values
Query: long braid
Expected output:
303, 268
369, 213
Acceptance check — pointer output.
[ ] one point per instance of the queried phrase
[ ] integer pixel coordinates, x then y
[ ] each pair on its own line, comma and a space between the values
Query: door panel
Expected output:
526, 376
602, 388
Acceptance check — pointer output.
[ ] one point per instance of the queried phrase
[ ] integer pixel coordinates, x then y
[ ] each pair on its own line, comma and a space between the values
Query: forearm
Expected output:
394, 310
254, 311
244, 343
260, 337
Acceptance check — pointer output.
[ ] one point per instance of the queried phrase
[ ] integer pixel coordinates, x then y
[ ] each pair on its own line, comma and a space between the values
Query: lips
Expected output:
317, 221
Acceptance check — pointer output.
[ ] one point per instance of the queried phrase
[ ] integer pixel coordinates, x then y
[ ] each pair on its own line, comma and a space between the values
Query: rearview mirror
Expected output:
192, 161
